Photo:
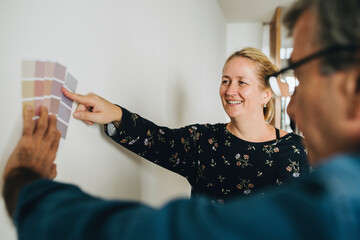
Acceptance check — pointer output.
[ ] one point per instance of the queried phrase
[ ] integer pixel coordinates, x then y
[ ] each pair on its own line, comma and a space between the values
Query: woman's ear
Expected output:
267, 94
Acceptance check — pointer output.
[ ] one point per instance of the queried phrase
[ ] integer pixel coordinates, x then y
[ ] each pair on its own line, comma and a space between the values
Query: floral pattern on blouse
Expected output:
214, 161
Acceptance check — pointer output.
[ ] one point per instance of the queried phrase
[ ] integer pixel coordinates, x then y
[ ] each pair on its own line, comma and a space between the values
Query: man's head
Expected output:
326, 105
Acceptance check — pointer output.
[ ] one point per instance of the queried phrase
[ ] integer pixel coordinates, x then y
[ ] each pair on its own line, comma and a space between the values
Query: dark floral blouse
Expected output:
214, 161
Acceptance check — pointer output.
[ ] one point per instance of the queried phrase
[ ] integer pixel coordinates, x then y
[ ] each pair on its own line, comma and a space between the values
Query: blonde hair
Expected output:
264, 67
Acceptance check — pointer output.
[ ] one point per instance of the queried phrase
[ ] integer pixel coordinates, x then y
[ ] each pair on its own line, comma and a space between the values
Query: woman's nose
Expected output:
231, 90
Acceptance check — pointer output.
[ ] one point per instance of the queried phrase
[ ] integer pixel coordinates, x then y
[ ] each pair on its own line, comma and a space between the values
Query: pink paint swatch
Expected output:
41, 86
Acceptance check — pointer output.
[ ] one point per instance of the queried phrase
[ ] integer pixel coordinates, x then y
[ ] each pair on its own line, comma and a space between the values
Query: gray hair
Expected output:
338, 24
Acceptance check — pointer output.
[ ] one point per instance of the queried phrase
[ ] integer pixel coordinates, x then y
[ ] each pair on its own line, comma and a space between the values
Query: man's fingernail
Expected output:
76, 115
29, 108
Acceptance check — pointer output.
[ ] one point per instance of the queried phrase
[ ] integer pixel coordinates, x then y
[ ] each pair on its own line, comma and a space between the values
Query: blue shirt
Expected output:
323, 205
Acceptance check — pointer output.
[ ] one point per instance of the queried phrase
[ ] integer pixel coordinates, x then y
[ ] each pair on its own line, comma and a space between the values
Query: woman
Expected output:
219, 160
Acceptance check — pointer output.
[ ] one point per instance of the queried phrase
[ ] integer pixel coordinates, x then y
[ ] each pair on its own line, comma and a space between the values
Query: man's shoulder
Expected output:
341, 164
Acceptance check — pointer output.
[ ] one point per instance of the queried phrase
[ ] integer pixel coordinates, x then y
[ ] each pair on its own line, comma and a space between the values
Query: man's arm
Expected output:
52, 210
34, 156
14, 182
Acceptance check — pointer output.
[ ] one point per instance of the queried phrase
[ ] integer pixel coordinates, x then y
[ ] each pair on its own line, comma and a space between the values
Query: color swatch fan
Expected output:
41, 86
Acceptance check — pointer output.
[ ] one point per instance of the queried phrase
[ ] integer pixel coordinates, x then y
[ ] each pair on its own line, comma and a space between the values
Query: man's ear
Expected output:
352, 93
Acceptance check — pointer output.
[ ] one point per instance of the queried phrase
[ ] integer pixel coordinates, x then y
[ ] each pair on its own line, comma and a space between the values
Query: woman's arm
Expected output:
173, 149
94, 109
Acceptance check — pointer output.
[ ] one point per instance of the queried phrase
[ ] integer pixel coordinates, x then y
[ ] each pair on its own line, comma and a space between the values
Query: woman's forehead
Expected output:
240, 67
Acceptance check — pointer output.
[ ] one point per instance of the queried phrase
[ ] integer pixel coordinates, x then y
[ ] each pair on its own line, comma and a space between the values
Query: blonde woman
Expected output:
221, 160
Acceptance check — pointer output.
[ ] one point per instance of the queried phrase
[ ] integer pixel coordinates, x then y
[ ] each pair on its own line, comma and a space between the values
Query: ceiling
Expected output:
251, 10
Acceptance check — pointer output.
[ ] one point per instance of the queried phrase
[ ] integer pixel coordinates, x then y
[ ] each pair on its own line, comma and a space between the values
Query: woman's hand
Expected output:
94, 109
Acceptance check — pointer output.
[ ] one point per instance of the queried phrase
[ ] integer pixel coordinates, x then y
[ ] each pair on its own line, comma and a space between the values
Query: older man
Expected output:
324, 205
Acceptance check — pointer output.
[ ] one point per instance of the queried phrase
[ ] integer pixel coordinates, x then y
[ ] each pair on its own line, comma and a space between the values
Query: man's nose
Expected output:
291, 108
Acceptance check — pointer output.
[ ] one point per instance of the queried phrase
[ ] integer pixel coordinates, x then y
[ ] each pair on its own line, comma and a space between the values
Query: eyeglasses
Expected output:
274, 83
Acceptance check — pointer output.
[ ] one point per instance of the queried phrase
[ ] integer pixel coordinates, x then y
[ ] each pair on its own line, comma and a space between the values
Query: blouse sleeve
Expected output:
173, 149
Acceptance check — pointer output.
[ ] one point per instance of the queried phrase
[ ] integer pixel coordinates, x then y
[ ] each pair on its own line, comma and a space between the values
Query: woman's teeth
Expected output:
234, 102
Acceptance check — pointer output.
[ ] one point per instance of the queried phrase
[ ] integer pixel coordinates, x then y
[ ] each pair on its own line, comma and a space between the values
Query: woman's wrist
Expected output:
118, 116
117, 124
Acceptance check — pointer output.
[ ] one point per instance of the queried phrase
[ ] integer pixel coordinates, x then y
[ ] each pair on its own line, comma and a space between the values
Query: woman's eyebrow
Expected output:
236, 77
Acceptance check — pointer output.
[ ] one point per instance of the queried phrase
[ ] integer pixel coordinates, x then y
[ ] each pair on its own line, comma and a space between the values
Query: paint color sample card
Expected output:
65, 106
41, 86
28, 83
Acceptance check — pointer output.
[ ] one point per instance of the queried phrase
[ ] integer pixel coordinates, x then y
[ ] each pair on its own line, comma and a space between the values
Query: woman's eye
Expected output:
242, 83
225, 81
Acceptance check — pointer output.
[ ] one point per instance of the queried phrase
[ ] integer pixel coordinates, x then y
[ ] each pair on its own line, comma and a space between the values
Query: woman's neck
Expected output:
252, 130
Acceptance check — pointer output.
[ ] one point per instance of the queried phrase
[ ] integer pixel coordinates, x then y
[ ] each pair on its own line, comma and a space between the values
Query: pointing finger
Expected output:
86, 100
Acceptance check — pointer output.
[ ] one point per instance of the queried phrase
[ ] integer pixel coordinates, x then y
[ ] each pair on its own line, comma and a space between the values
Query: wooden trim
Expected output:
275, 44
275, 37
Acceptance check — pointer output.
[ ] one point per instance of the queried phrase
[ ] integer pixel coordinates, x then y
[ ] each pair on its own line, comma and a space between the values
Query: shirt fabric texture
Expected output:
322, 205
214, 161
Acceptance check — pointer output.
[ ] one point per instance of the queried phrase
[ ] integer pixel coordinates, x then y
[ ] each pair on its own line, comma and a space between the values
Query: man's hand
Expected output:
38, 145
94, 109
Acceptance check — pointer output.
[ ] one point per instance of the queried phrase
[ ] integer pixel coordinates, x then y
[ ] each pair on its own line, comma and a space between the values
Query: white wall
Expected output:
159, 58
240, 35
266, 40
